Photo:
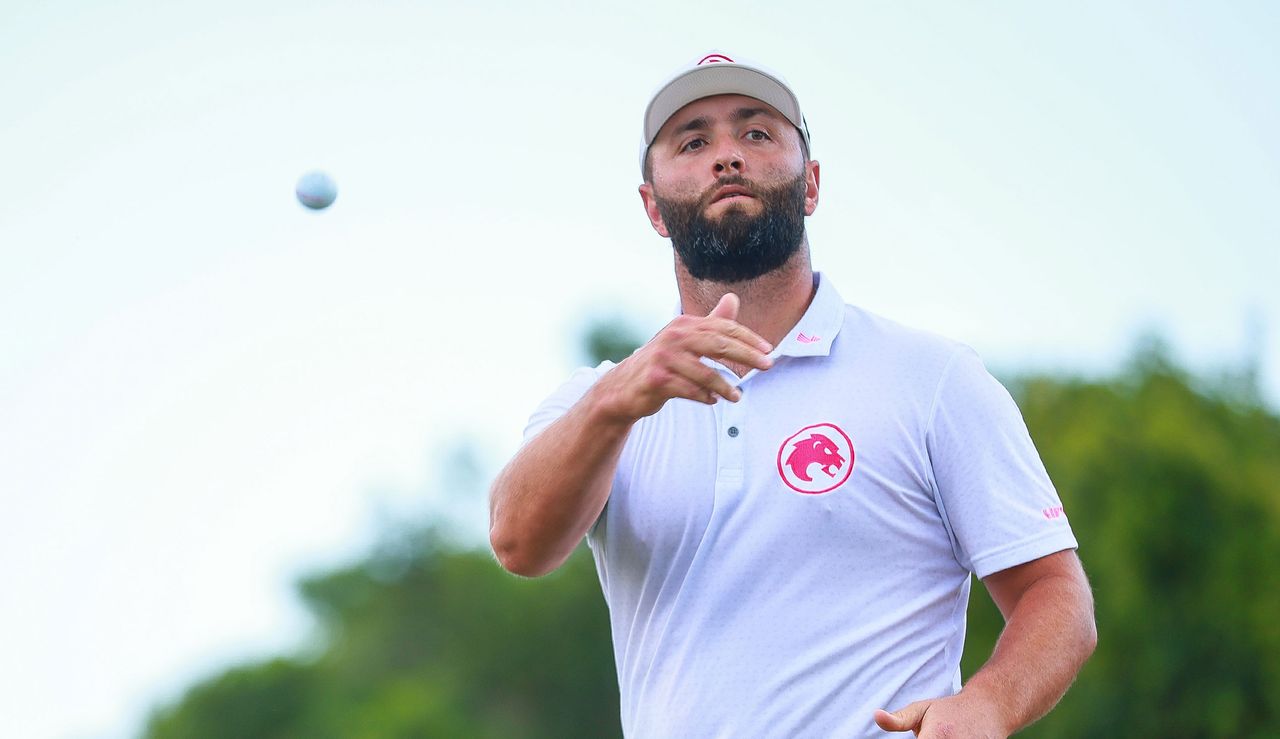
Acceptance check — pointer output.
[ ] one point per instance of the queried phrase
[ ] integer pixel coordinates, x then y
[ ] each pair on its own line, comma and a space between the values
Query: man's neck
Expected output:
771, 304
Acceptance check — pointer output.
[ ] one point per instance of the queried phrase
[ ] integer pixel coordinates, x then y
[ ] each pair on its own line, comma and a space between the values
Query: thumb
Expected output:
903, 719
727, 307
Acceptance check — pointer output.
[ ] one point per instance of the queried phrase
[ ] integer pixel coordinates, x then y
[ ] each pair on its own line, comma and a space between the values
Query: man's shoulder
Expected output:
584, 377
868, 331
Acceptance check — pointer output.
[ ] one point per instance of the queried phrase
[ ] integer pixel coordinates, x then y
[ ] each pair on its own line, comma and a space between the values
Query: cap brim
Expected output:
720, 79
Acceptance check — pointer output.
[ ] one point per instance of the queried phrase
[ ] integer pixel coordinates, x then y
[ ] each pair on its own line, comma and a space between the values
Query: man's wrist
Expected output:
604, 411
991, 700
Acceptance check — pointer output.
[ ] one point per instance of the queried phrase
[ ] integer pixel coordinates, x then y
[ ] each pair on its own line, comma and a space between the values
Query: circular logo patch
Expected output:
816, 459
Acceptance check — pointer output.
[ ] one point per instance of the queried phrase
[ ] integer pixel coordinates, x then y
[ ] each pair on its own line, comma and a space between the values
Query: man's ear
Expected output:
811, 186
651, 210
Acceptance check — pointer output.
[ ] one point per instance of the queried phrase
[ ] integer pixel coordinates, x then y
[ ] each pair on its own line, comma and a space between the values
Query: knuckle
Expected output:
657, 376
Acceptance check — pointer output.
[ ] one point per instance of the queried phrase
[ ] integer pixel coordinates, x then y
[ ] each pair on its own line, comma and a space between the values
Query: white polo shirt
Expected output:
784, 565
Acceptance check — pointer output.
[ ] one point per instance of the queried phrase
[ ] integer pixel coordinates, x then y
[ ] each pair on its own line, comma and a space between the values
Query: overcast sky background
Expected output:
206, 391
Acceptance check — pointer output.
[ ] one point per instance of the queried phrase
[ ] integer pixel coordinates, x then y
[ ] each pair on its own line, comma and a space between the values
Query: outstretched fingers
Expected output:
724, 317
707, 378
672, 364
726, 348
683, 382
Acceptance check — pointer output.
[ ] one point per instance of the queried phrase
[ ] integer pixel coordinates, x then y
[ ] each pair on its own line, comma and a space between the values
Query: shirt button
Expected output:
733, 431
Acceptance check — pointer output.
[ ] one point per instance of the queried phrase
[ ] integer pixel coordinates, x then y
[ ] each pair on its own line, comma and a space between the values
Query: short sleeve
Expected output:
564, 398
991, 487
559, 403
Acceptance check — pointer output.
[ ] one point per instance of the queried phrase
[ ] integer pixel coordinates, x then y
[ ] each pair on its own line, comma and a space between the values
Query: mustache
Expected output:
734, 180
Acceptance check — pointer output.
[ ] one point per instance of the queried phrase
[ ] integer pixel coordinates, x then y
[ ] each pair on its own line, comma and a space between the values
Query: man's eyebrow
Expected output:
702, 123
741, 114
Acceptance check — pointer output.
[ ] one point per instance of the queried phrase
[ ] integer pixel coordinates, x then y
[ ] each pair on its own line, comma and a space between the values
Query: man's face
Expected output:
730, 186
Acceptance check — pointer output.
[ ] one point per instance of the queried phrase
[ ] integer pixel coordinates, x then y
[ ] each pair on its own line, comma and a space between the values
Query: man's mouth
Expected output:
731, 191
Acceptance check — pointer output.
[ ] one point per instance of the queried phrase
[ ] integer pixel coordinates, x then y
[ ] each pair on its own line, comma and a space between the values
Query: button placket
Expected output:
732, 440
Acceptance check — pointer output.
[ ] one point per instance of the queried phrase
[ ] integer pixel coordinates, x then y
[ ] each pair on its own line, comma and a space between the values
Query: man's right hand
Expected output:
669, 365
545, 500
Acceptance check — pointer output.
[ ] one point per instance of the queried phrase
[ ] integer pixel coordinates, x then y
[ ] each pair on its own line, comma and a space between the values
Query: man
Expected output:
785, 495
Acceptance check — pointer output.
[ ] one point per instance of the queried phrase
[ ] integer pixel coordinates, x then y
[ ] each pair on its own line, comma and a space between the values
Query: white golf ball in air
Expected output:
316, 190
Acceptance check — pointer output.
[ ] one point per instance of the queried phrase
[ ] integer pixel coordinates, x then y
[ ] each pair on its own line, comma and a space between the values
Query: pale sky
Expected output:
206, 391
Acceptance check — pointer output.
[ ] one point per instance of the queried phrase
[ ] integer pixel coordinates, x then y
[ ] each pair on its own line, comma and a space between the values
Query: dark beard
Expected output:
738, 247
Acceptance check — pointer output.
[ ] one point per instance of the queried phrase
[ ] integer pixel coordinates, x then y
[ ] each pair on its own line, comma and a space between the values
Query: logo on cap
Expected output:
713, 58
816, 459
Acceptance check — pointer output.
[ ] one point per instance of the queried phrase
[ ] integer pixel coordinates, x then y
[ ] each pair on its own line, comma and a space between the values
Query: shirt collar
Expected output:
817, 328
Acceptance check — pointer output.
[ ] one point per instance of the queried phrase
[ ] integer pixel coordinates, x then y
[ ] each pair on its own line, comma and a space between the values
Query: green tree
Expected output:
421, 640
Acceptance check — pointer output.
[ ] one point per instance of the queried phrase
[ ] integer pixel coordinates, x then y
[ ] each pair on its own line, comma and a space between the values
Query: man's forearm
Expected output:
1048, 635
547, 497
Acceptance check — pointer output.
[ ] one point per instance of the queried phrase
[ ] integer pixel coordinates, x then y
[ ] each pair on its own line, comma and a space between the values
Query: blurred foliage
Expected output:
424, 639
611, 340
1172, 485
1170, 482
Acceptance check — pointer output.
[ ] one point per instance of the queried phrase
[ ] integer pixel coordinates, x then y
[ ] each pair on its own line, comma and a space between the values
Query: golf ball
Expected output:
316, 190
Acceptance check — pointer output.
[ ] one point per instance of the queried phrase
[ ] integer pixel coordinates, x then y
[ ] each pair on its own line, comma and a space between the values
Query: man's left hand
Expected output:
954, 717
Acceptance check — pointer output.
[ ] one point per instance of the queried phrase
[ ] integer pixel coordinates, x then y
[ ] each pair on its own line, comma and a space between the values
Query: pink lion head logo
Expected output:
816, 459
819, 450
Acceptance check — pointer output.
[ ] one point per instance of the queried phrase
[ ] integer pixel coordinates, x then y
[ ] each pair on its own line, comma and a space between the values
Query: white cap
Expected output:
718, 74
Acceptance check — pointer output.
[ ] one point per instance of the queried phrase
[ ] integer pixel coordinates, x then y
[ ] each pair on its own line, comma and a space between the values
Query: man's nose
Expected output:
729, 160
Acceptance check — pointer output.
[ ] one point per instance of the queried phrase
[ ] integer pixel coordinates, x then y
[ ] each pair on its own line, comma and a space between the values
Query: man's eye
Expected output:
694, 144
757, 135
